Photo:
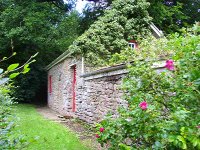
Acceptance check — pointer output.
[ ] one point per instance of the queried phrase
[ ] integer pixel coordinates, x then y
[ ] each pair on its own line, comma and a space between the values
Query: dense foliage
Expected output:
126, 20
7, 118
8, 123
66, 5
163, 110
5, 124
168, 15
171, 15
27, 27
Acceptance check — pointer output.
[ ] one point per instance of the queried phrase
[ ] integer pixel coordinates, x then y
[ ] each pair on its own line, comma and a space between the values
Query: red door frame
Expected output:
50, 84
74, 89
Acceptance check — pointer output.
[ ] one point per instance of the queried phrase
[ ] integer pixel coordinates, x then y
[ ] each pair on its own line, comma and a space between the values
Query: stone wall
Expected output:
60, 99
97, 92
101, 95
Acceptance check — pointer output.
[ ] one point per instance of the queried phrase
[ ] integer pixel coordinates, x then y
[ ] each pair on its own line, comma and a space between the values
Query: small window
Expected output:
132, 45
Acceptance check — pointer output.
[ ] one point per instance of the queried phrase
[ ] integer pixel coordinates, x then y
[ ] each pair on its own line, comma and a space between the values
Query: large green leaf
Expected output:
14, 75
26, 70
12, 67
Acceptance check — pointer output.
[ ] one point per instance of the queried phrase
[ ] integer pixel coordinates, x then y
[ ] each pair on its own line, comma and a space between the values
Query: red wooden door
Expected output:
74, 89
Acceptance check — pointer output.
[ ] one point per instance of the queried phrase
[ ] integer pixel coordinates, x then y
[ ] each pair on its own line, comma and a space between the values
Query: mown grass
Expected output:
44, 134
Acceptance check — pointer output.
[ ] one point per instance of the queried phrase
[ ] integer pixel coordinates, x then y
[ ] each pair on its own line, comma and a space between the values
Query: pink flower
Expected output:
97, 136
101, 129
169, 65
143, 105
198, 126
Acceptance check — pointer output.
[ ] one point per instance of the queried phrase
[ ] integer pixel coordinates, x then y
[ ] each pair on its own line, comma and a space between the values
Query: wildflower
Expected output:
143, 105
97, 136
101, 129
169, 65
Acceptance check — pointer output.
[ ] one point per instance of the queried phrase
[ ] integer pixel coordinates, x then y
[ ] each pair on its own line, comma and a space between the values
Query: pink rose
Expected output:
97, 136
169, 65
101, 129
143, 105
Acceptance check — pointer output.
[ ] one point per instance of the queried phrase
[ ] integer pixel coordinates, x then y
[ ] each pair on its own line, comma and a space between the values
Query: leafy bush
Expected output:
8, 140
163, 110
7, 123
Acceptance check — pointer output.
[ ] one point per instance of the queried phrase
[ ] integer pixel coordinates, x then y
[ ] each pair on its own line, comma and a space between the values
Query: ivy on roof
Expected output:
125, 20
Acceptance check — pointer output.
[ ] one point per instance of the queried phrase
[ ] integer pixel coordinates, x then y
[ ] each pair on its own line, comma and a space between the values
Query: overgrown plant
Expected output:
163, 111
125, 20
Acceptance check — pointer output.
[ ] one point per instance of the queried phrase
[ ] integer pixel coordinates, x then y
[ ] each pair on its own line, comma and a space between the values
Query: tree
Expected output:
172, 15
66, 6
169, 15
27, 27
92, 11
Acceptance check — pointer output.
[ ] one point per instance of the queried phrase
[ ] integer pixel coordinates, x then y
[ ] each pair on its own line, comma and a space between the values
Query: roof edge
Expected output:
58, 60
156, 31
104, 70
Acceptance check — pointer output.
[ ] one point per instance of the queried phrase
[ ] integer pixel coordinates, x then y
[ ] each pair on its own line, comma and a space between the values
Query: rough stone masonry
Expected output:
96, 93
88, 95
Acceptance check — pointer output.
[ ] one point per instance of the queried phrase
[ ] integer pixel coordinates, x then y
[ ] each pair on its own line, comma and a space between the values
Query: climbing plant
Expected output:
125, 20
163, 111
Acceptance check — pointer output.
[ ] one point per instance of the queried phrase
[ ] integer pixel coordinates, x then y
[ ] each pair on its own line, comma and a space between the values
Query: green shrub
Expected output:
8, 140
7, 123
163, 110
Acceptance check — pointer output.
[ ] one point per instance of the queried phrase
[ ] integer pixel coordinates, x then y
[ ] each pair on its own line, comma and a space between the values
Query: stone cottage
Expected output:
75, 90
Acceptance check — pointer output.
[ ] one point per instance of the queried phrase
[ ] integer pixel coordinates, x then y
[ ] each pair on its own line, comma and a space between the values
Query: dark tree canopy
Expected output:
168, 15
61, 4
34, 27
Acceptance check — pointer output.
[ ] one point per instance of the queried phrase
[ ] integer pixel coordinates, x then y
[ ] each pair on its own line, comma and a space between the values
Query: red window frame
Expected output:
133, 42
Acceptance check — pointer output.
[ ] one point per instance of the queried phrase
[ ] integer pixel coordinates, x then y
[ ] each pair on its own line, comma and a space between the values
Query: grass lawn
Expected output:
49, 135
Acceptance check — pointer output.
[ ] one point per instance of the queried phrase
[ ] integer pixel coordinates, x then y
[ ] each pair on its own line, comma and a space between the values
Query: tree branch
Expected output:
27, 62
